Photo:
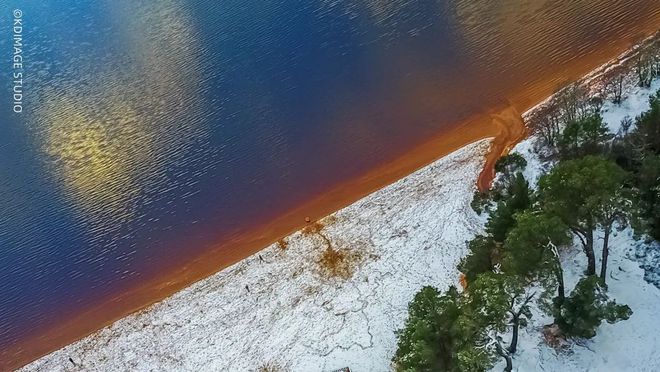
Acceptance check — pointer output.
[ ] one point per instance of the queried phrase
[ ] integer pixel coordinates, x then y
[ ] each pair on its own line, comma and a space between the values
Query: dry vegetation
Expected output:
570, 101
334, 261
340, 263
313, 228
282, 244
271, 367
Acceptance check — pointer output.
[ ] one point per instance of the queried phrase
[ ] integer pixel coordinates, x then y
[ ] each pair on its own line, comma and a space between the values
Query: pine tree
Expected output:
578, 191
500, 302
485, 250
531, 249
647, 128
508, 166
437, 336
587, 307
584, 136
647, 180
479, 259
424, 341
517, 198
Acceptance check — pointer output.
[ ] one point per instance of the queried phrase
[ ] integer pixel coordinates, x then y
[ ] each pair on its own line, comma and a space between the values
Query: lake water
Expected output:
154, 131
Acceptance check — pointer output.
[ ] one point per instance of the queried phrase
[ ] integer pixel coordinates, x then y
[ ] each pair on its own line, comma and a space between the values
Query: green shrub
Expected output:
586, 308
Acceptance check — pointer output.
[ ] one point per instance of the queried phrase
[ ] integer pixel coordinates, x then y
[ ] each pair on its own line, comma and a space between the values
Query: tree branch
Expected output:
580, 234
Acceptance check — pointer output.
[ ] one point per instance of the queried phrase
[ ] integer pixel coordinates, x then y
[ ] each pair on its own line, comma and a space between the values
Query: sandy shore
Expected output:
629, 345
282, 308
503, 123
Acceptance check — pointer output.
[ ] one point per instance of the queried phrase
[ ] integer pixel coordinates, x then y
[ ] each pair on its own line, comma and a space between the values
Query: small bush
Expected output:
479, 259
480, 202
282, 244
587, 307
313, 228
510, 164
340, 263
271, 367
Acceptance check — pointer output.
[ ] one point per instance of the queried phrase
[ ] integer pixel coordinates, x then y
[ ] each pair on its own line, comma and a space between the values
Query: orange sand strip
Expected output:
503, 123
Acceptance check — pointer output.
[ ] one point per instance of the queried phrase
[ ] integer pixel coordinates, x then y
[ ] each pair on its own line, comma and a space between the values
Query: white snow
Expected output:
535, 166
636, 101
411, 233
629, 345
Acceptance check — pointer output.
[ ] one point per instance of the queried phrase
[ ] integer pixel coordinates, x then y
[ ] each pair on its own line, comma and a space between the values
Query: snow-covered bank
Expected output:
629, 345
278, 308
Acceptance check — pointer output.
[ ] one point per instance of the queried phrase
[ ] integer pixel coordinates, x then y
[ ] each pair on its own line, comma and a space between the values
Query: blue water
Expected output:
153, 130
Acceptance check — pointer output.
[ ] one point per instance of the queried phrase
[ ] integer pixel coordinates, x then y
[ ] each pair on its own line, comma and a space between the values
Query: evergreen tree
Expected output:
484, 251
481, 202
531, 249
583, 136
638, 151
438, 336
500, 221
578, 191
618, 208
426, 342
507, 167
502, 302
517, 198
587, 307
510, 164
480, 258
647, 128
647, 180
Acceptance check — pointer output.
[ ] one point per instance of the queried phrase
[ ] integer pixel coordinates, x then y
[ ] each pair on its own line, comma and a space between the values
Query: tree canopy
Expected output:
587, 307
578, 192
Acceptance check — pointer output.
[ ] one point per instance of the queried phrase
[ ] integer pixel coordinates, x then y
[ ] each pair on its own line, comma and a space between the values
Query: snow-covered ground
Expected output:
636, 101
409, 234
629, 345
279, 309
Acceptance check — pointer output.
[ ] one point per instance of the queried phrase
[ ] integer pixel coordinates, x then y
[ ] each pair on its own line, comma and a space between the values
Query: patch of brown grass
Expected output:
340, 263
313, 228
282, 244
335, 262
271, 367
329, 220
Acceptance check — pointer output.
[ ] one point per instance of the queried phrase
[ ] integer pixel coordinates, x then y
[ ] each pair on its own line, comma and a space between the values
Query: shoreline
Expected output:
244, 246
504, 123
296, 312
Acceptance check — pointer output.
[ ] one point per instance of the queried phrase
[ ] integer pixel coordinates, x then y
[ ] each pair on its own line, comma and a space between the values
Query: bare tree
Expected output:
645, 68
614, 88
574, 103
547, 125
624, 128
